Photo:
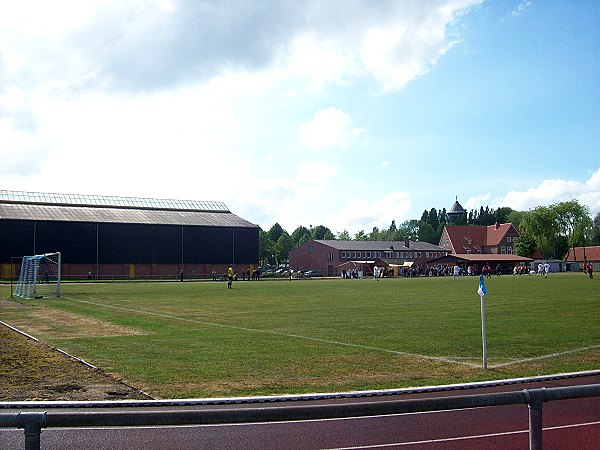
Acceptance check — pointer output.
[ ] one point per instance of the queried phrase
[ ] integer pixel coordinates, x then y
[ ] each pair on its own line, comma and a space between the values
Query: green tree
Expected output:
392, 232
574, 223
516, 217
275, 232
265, 246
433, 219
443, 216
501, 215
361, 236
343, 236
321, 232
282, 247
595, 232
540, 224
374, 235
525, 246
409, 229
462, 220
300, 236
426, 233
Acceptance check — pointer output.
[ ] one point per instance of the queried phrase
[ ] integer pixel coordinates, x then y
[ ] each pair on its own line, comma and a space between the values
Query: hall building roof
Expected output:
39, 206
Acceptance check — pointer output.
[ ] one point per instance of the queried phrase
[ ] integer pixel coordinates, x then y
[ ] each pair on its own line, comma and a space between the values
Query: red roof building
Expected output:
496, 239
481, 246
584, 255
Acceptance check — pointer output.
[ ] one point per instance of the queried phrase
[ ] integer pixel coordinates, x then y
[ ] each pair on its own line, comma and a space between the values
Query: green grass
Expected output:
203, 340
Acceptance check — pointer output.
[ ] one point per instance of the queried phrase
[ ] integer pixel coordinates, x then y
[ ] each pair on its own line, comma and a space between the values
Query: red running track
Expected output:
567, 424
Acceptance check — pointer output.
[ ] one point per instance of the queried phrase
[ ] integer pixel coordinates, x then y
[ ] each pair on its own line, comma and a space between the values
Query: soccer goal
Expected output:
39, 277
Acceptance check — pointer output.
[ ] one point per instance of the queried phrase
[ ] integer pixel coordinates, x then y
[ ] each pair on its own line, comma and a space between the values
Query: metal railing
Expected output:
33, 422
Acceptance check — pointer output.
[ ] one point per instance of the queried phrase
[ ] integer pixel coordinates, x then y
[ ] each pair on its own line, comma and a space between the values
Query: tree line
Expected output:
550, 229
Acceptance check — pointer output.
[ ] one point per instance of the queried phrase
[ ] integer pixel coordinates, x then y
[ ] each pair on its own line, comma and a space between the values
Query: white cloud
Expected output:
330, 127
522, 6
554, 191
320, 63
405, 48
313, 177
476, 201
300, 199
362, 214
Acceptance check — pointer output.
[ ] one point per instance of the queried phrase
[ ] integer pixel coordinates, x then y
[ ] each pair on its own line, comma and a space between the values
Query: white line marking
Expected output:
460, 438
276, 333
551, 355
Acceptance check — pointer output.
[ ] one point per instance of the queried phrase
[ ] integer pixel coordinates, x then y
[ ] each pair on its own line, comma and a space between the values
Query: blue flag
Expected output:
482, 290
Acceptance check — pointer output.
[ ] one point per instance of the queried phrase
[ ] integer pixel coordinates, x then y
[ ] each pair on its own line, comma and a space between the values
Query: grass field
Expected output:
200, 339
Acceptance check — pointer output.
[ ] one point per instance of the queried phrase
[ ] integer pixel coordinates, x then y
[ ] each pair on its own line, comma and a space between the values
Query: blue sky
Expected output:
348, 114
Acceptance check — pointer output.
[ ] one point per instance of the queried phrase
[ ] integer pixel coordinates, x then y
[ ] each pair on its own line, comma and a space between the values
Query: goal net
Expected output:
39, 277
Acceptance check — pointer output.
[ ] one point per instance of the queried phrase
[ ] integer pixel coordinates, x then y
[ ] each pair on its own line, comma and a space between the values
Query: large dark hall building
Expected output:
125, 237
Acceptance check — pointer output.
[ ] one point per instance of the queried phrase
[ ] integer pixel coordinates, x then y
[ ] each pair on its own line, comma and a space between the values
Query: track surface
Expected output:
567, 424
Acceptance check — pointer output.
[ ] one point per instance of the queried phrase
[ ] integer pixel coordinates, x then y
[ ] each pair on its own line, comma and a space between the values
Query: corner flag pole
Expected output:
482, 291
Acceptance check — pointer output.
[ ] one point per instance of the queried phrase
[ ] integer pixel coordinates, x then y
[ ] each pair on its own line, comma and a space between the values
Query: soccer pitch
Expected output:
200, 339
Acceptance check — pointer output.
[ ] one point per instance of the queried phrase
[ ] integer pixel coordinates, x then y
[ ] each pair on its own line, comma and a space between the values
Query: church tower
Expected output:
455, 212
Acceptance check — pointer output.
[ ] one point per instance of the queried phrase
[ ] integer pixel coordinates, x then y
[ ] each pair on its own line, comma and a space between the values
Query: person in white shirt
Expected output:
456, 272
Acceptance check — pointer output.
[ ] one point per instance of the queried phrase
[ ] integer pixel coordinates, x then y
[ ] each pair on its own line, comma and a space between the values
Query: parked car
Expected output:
312, 273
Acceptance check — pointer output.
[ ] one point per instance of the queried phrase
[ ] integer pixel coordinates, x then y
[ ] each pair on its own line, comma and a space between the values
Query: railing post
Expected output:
535, 400
32, 423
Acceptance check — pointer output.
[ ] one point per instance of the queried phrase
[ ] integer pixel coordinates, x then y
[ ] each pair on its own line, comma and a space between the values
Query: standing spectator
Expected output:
590, 270
229, 277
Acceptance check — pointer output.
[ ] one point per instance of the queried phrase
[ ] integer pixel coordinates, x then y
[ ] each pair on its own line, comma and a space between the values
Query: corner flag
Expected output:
482, 290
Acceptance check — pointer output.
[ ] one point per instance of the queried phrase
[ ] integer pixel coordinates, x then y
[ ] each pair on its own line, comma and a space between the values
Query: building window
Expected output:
330, 257
468, 252
419, 255
401, 254
354, 254
427, 255
503, 250
514, 239
509, 250
479, 251
508, 239
379, 254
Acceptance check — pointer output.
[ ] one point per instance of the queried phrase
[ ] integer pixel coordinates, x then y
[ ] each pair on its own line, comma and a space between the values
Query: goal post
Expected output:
39, 276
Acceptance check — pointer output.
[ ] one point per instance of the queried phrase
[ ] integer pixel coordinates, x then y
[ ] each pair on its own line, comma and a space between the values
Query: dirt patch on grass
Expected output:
30, 370
8, 303
64, 325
